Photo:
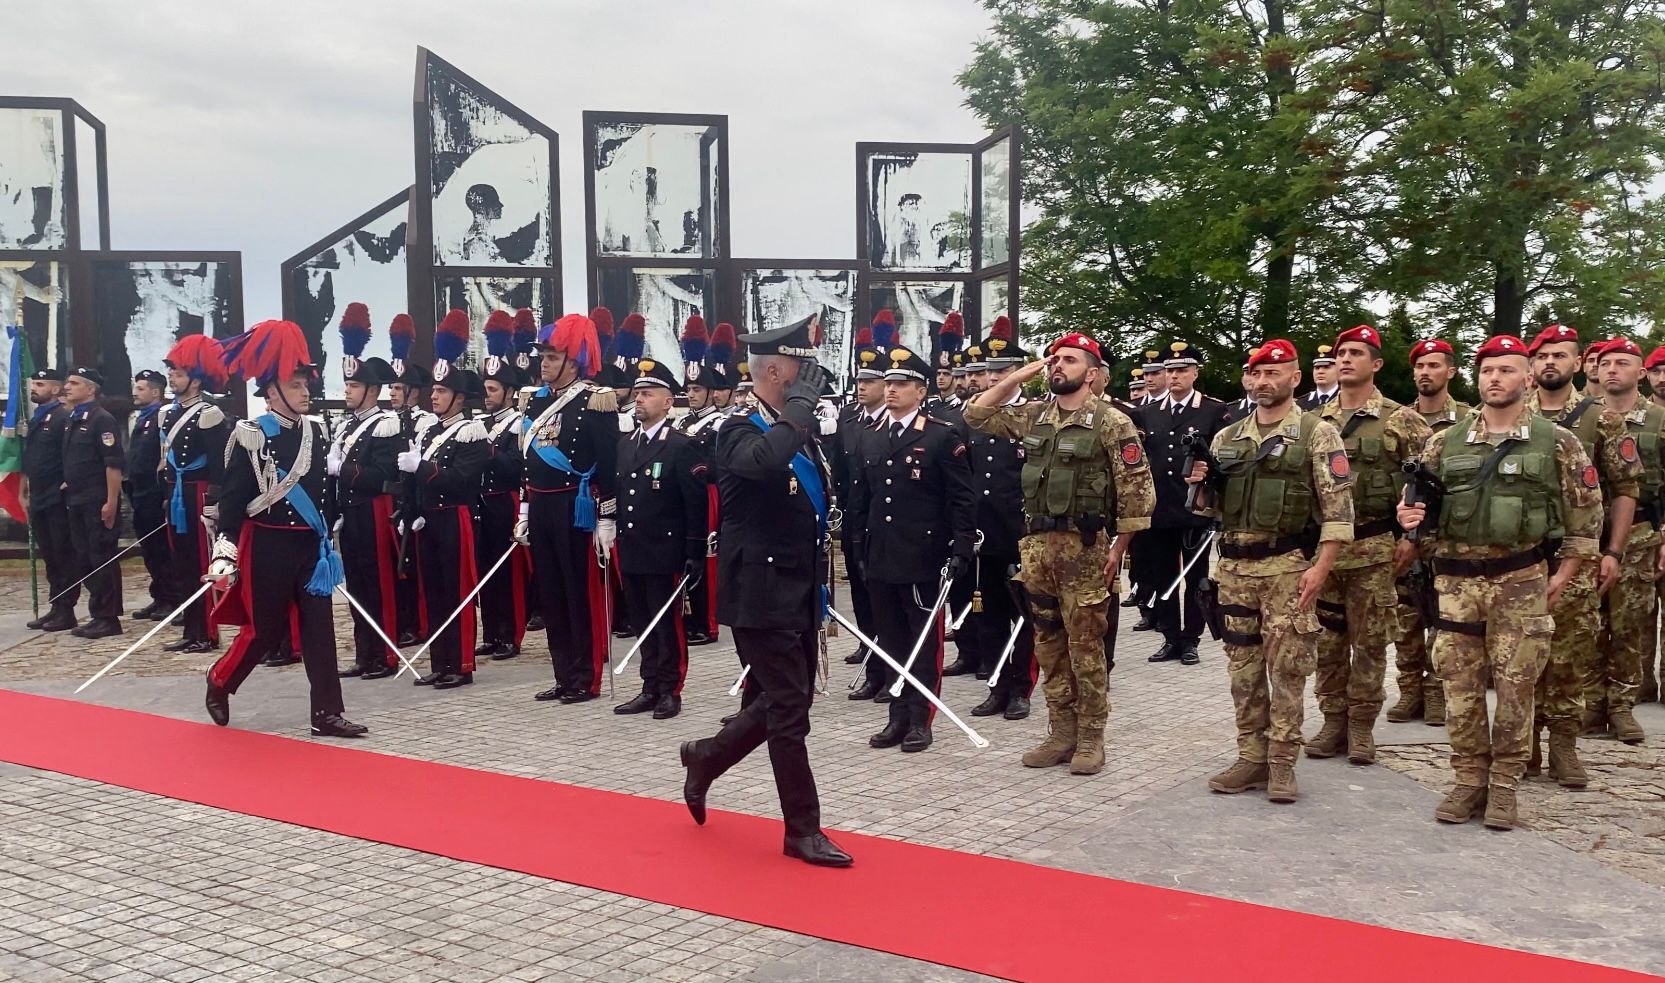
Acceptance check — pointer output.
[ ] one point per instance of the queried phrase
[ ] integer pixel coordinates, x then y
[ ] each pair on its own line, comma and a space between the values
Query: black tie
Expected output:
895, 430
1178, 407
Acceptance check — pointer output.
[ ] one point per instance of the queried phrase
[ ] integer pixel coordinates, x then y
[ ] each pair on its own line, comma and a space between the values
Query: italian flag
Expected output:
11, 433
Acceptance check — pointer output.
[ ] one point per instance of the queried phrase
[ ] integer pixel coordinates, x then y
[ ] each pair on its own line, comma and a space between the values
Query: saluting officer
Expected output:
93, 461
915, 522
194, 434
503, 601
145, 494
43, 496
662, 536
363, 470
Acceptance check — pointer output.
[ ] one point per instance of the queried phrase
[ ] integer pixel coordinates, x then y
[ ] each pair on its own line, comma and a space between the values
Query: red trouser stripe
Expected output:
225, 667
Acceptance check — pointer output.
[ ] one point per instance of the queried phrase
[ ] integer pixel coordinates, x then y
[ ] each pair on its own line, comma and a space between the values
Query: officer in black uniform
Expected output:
861, 415
93, 460
363, 474
663, 526
503, 602
772, 562
710, 389
144, 492
914, 521
405, 399
43, 496
194, 434
1324, 382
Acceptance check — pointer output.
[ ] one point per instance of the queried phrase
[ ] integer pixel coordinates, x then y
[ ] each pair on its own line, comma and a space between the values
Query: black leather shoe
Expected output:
534, 623
552, 693
335, 725
503, 652
218, 702
351, 672
668, 706
1188, 654
866, 692
1146, 623
698, 781
144, 612
452, 680
883, 696
35, 624
277, 660
698, 638
731, 718
430, 679
407, 639
183, 645
889, 737
1131, 602
201, 645
853, 659
918, 739
818, 850
59, 622
488, 649
1018, 708
380, 672
641, 703
621, 633
576, 696
996, 703
158, 614
1167, 653
960, 667
984, 674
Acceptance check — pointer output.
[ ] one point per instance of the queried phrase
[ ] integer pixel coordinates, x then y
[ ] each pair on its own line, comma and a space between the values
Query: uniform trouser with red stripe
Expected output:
274, 564
190, 562
570, 586
664, 651
983, 635
702, 598
899, 612
503, 600
447, 555
367, 548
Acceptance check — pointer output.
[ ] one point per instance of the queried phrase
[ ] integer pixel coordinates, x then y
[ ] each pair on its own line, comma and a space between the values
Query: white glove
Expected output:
421, 521
409, 459
222, 561
399, 527
523, 526
606, 530
829, 426
335, 530
332, 463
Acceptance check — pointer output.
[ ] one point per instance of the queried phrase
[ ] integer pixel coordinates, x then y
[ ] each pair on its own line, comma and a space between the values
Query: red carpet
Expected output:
1038, 923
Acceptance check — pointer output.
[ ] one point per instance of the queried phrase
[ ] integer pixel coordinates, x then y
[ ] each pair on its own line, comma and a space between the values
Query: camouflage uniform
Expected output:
1631, 606
1419, 686
1271, 644
1358, 609
1063, 577
1492, 617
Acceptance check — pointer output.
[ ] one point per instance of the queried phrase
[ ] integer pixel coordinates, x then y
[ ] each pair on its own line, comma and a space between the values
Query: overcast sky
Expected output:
262, 127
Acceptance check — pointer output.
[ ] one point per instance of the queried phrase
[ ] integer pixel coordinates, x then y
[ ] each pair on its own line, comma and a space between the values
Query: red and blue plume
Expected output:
500, 329
722, 345
630, 342
694, 340
952, 335
355, 329
1001, 328
602, 318
199, 357
451, 337
401, 334
574, 336
270, 351
884, 329
526, 329
864, 340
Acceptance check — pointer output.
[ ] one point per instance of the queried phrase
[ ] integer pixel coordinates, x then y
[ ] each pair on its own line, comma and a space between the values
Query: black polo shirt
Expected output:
43, 456
91, 443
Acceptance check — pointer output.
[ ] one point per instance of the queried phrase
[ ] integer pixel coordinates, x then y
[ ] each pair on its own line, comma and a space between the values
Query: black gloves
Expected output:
694, 570
957, 565
805, 393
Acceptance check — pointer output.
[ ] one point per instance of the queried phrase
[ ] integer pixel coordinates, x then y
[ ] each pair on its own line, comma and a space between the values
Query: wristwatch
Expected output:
1615, 554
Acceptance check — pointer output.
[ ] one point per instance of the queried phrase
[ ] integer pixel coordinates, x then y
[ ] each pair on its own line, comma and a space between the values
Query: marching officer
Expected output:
1358, 608
445, 463
915, 524
503, 601
1282, 474
710, 389
569, 442
93, 460
1514, 483
43, 496
662, 536
861, 415
1085, 481
145, 495
363, 471
1324, 384
273, 549
194, 433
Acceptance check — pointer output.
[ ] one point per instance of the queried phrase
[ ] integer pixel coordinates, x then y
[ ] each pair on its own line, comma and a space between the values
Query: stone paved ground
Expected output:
99, 883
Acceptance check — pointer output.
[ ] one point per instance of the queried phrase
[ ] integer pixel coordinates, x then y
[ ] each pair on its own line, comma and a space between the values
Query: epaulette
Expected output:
247, 435
211, 416
387, 426
470, 432
603, 400
422, 420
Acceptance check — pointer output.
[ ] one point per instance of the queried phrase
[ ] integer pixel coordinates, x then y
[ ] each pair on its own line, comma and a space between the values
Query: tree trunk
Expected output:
1508, 300
1274, 302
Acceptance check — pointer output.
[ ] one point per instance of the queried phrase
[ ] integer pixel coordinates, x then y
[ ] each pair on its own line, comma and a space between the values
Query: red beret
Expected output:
1503, 344
1596, 349
1076, 340
1364, 334
1621, 346
1555, 334
1274, 352
1431, 346
1655, 358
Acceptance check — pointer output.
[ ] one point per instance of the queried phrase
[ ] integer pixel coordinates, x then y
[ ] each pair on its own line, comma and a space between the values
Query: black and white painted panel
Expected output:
995, 165
367, 265
918, 211
993, 296
35, 295
657, 190
481, 295
141, 307
921, 306
665, 298
490, 179
774, 298
32, 205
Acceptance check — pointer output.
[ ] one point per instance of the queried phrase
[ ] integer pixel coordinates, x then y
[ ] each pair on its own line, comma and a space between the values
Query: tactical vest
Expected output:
1274, 494
1647, 447
1066, 470
1453, 414
1518, 505
1586, 428
1377, 480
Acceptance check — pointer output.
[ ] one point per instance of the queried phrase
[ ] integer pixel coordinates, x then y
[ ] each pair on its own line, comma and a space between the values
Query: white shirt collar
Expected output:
906, 422
651, 432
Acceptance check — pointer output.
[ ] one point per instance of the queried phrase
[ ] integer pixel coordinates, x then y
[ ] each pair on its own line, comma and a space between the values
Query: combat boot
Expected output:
1331, 739
1433, 705
1535, 763
1564, 765
1500, 808
1625, 727
1059, 745
1089, 752
1242, 776
1361, 737
1460, 804
1409, 707
1280, 777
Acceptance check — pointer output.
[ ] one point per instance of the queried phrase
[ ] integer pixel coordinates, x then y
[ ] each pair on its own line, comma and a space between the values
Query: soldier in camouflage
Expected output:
1359, 607
1086, 489
1433, 363
1281, 495
1517, 487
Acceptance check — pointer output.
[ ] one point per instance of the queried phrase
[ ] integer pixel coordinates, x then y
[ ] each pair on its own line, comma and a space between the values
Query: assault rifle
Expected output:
1423, 487
1196, 449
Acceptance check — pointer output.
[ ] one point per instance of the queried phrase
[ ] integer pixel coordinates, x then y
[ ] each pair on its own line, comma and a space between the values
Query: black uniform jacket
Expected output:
914, 504
1164, 432
661, 502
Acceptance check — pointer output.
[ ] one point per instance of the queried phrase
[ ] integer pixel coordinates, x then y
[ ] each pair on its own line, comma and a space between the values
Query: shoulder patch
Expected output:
959, 448
108, 438
1627, 450
1340, 468
211, 416
1590, 478
1133, 453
